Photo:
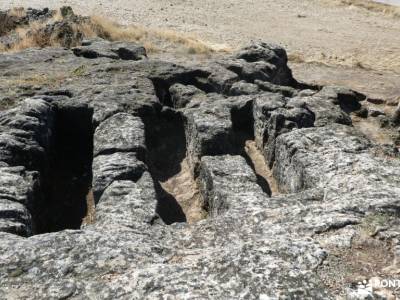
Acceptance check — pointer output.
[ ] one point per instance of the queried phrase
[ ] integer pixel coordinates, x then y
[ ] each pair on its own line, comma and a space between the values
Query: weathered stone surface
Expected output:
324, 110
251, 246
273, 115
226, 182
25, 134
181, 94
120, 133
212, 126
220, 79
15, 218
24, 143
112, 167
136, 96
336, 146
243, 88
114, 50
348, 100
264, 61
341, 161
127, 204
286, 91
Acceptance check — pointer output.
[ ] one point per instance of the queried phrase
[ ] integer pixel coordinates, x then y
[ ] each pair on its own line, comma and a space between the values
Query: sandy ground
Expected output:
363, 46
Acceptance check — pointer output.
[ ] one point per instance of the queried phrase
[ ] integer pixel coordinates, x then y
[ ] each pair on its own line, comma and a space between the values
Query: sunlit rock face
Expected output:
102, 170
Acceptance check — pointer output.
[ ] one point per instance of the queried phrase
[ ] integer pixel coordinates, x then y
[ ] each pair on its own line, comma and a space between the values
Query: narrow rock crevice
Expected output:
179, 198
162, 91
177, 191
256, 160
185, 188
243, 131
67, 182
162, 87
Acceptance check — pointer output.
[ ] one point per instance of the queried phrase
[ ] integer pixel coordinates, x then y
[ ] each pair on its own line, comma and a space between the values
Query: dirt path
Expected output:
313, 31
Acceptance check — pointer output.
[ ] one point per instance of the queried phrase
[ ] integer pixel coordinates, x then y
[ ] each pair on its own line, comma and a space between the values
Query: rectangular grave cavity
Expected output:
178, 199
66, 181
209, 125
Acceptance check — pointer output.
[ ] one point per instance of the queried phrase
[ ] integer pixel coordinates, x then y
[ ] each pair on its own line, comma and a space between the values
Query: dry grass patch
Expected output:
18, 12
37, 80
153, 39
18, 87
30, 37
7, 103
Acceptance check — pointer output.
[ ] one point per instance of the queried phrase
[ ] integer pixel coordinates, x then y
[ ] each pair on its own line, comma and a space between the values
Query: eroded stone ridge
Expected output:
225, 182
134, 123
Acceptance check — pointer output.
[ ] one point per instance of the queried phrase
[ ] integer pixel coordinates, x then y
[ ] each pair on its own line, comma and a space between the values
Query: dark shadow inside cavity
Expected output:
242, 119
350, 103
243, 130
168, 207
68, 179
197, 79
162, 92
166, 146
242, 127
306, 86
261, 181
